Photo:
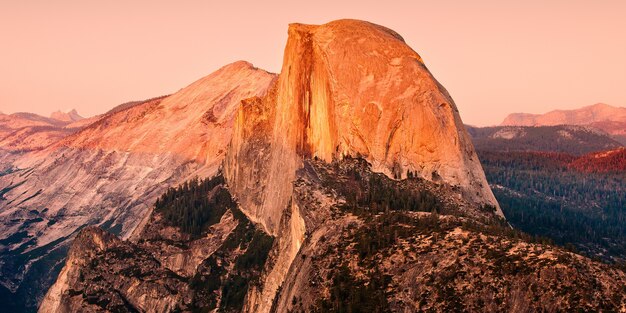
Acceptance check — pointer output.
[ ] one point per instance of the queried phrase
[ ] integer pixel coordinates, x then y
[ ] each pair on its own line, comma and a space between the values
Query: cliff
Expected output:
349, 88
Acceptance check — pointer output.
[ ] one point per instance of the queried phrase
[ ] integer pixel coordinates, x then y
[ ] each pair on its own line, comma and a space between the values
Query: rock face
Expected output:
110, 173
601, 116
410, 261
348, 88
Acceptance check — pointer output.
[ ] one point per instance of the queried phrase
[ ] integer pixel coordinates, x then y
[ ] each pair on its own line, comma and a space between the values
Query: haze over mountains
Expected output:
348, 182
23, 132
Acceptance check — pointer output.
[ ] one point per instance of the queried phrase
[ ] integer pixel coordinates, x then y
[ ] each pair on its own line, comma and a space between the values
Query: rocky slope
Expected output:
431, 252
453, 261
166, 269
609, 119
110, 173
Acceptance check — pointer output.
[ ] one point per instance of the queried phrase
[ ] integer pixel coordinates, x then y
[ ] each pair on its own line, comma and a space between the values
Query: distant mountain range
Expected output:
71, 116
23, 132
607, 118
575, 140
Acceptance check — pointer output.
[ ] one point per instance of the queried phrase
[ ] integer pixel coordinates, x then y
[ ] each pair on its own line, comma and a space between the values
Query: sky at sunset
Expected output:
494, 57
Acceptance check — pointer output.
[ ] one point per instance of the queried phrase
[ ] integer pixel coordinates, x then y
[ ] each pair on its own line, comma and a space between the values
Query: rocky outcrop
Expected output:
111, 172
348, 88
166, 269
402, 260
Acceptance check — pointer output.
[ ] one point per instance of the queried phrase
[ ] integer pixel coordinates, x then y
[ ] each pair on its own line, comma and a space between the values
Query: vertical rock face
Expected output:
349, 88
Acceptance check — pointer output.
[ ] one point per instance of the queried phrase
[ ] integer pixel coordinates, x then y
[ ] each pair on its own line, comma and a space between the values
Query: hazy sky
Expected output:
494, 57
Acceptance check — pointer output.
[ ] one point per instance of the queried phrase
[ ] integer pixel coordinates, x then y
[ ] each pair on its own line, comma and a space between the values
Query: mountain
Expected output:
575, 140
12, 122
598, 112
383, 105
609, 119
110, 172
69, 117
351, 185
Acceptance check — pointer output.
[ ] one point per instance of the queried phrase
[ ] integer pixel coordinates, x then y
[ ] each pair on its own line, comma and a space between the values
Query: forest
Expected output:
195, 204
542, 194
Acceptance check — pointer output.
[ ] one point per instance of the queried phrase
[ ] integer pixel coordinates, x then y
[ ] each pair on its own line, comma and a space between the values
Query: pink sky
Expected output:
494, 57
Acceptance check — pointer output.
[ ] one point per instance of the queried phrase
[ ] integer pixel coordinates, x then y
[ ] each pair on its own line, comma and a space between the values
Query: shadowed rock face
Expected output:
349, 88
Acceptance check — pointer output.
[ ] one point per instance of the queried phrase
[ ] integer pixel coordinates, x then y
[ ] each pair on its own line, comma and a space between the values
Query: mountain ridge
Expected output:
110, 172
610, 119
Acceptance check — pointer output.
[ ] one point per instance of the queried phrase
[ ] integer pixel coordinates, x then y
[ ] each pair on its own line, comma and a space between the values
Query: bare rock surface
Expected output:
111, 172
349, 88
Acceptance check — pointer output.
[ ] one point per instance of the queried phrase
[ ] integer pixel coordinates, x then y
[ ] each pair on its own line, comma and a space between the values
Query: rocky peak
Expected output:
349, 88
69, 117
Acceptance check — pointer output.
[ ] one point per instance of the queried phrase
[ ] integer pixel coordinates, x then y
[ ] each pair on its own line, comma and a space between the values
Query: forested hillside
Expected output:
575, 140
578, 202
